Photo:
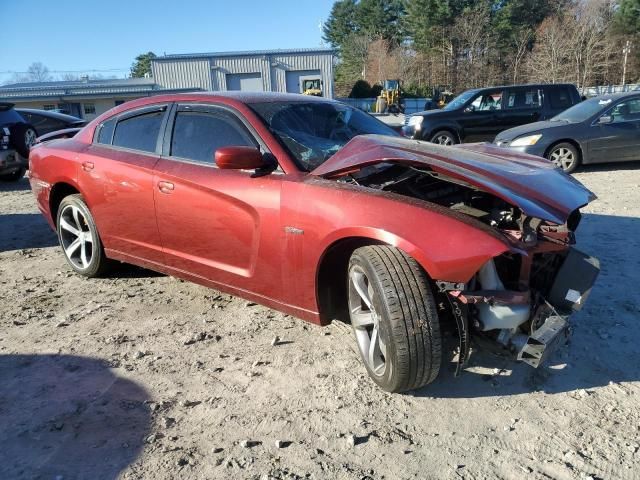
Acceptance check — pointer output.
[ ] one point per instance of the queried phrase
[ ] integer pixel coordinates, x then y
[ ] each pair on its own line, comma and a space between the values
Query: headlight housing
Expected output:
526, 141
416, 121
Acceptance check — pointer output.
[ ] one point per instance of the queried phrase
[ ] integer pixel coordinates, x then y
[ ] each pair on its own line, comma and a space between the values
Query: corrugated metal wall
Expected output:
183, 73
210, 73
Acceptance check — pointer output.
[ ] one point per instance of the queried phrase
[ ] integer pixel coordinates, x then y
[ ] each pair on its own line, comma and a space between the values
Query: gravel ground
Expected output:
144, 376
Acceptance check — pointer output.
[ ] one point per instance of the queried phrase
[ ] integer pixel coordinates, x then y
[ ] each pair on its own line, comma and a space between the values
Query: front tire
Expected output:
565, 155
79, 239
394, 318
444, 137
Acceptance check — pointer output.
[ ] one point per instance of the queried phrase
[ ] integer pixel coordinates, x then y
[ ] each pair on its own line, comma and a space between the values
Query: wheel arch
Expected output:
59, 191
331, 294
439, 261
452, 129
570, 141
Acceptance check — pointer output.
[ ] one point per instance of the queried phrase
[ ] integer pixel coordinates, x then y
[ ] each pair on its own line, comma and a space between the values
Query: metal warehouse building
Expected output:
262, 70
81, 98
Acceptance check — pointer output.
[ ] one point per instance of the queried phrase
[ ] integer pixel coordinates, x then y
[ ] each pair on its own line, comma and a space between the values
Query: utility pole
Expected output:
625, 50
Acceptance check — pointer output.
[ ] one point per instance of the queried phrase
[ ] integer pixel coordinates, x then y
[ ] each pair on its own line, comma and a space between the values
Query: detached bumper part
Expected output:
574, 281
545, 340
569, 292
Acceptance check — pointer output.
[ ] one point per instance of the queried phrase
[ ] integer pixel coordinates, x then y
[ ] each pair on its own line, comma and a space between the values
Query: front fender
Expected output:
320, 213
455, 260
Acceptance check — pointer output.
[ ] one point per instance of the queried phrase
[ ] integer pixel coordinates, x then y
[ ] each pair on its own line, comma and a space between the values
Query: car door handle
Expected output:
87, 166
165, 187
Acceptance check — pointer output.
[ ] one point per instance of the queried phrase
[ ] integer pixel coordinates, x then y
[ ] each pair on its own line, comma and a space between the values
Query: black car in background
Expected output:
480, 114
601, 129
16, 137
46, 121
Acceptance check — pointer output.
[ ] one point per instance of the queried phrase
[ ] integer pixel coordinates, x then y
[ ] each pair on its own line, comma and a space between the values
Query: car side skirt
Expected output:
307, 315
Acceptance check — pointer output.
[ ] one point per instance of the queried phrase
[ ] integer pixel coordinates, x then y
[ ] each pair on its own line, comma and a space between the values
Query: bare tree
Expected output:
38, 72
471, 42
550, 56
520, 43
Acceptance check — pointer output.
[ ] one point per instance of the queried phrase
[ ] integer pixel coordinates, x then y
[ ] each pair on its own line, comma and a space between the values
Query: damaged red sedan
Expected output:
319, 210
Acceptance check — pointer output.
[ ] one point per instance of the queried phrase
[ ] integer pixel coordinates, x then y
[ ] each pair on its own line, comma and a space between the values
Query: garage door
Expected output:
294, 79
247, 82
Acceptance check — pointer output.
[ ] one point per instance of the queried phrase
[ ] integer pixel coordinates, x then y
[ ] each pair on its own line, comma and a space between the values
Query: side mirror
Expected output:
470, 109
239, 158
605, 119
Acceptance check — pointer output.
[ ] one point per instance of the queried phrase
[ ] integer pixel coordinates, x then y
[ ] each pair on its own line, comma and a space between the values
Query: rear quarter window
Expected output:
560, 97
104, 132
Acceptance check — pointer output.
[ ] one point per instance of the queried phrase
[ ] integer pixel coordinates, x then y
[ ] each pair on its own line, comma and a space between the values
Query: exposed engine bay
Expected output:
520, 300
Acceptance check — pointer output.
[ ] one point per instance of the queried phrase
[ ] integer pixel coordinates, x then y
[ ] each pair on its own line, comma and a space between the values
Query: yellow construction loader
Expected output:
312, 87
392, 96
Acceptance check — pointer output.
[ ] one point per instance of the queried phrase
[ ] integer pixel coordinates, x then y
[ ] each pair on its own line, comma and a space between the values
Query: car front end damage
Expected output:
522, 299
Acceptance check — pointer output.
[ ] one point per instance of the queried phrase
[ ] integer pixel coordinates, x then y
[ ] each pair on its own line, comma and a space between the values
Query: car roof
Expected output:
50, 114
257, 97
615, 96
522, 85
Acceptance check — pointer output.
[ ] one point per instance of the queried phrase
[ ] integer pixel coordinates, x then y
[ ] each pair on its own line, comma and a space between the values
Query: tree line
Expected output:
461, 44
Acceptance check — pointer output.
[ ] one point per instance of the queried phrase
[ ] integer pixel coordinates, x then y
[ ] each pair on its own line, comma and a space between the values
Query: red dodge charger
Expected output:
319, 210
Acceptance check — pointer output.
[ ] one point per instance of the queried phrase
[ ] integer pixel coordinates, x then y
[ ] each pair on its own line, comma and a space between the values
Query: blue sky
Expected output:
83, 35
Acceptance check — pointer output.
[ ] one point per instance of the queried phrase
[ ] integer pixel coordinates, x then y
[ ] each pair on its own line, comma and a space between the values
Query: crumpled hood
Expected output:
533, 184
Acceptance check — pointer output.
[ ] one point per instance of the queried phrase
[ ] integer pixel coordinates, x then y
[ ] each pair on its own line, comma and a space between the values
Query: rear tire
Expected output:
565, 155
444, 137
14, 176
79, 239
23, 137
394, 318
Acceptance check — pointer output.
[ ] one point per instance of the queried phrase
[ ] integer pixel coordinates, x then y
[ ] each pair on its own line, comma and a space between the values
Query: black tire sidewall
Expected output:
97, 263
387, 381
439, 133
18, 138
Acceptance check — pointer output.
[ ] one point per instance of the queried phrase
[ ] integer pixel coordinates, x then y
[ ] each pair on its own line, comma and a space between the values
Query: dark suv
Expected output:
16, 137
479, 115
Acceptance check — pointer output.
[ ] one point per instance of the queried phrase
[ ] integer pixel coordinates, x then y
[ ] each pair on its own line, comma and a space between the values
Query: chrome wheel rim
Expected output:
76, 237
443, 140
366, 321
563, 158
30, 137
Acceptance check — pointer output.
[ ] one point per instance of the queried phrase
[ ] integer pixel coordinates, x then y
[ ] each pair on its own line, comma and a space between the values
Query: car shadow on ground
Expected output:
17, 186
126, 270
20, 231
65, 416
606, 167
603, 347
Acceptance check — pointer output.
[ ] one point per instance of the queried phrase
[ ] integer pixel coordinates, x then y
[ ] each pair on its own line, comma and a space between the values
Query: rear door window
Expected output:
139, 132
529, 98
198, 133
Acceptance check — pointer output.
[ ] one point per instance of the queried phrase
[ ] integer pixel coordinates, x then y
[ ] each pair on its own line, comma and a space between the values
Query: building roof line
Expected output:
247, 53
